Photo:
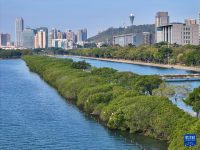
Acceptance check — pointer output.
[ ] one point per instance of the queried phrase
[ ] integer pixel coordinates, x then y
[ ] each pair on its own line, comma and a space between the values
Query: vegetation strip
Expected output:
158, 55
123, 99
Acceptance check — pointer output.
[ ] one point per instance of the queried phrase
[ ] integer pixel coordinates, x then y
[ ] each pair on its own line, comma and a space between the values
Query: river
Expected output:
34, 116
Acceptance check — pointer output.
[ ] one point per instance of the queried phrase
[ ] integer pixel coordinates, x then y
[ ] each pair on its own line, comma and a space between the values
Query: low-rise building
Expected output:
178, 33
62, 43
132, 38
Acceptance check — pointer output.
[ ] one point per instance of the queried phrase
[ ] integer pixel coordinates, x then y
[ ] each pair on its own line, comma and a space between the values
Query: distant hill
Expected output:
110, 32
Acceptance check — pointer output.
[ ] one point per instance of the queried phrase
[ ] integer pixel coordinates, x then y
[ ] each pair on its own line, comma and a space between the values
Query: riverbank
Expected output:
196, 69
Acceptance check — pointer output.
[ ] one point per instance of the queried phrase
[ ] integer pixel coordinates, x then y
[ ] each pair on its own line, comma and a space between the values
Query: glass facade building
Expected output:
19, 27
4, 39
28, 38
84, 34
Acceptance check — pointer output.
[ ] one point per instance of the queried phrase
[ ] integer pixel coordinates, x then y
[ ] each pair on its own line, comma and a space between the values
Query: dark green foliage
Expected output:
146, 83
80, 65
104, 45
119, 98
103, 72
193, 100
9, 54
90, 45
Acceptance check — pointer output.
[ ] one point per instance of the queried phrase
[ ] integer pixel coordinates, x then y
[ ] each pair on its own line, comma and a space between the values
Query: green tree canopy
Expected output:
193, 100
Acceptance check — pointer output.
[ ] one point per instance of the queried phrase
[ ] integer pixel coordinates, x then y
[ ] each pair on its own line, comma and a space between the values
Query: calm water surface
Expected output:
34, 116
145, 70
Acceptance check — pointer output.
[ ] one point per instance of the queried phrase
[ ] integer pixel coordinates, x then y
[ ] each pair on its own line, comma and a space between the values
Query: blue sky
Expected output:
91, 14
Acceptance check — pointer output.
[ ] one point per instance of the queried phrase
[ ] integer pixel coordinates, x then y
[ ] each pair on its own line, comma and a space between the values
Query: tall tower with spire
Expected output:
131, 19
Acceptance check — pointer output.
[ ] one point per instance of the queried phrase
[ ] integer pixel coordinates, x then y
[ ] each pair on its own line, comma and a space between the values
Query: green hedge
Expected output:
119, 98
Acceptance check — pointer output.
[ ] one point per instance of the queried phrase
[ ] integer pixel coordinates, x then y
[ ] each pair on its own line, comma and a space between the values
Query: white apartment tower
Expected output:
40, 39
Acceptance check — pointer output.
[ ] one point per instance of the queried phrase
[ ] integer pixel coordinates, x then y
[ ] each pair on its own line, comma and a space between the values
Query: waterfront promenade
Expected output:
196, 69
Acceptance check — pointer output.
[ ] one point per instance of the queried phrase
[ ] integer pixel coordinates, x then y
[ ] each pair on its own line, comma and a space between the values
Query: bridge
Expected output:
179, 76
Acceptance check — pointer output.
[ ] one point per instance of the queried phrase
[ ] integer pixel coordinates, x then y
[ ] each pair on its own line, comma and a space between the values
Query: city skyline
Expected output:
85, 15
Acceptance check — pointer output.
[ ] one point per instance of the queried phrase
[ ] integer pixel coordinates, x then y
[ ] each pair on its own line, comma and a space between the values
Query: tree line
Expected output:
158, 53
10, 54
127, 101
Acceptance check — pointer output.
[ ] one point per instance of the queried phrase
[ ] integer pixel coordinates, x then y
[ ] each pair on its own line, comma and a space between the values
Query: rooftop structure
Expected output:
131, 19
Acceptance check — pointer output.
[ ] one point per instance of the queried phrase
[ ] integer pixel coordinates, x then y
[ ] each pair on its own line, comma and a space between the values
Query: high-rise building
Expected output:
52, 35
4, 38
28, 38
161, 19
131, 19
179, 33
50, 38
59, 35
54, 32
45, 29
64, 35
79, 35
19, 27
75, 38
84, 34
190, 21
70, 35
40, 39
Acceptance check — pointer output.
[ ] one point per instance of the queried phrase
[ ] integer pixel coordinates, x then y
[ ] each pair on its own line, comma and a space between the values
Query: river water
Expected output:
34, 116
